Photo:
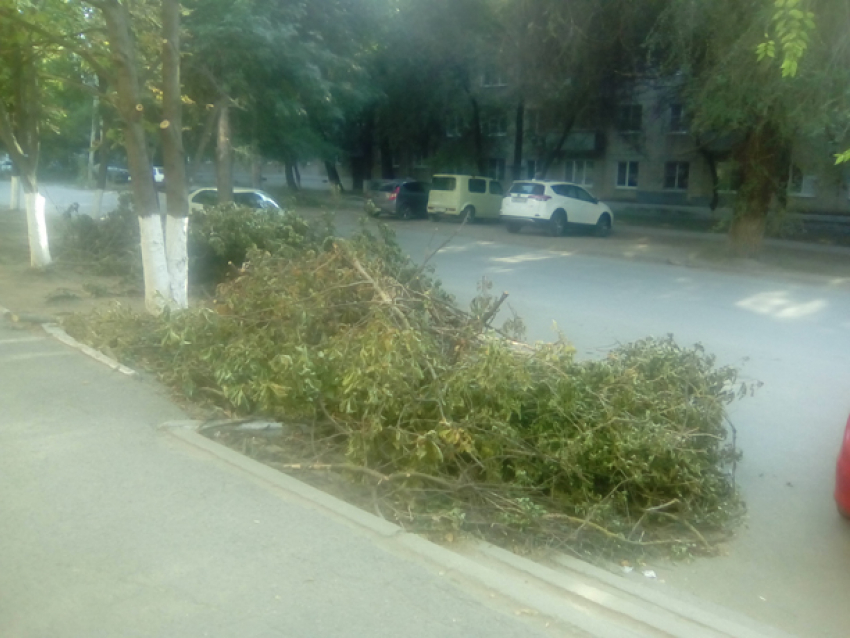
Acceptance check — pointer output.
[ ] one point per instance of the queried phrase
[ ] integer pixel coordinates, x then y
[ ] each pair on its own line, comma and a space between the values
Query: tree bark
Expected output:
102, 171
333, 176
518, 139
297, 172
20, 134
174, 157
224, 154
104, 149
761, 157
157, 285
290, 176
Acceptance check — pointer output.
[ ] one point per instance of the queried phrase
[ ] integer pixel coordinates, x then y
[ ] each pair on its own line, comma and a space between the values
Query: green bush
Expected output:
106, 246
221, 236
218, 241
455, 424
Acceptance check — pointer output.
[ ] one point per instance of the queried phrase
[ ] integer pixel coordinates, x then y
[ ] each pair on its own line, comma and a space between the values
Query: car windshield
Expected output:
443, 184
527, 188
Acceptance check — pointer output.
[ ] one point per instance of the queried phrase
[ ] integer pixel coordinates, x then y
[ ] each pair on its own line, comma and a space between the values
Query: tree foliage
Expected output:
747, 108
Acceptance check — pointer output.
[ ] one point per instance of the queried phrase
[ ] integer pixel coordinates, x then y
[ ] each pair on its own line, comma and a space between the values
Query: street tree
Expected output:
571, 61
747, 109
22, 56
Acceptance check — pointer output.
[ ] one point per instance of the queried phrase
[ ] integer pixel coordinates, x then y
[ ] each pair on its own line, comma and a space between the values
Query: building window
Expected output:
800, 185
497, 126
677, 119
627, 174
579, 172
419, 160
676, 175
532, 121
493, 77
454, 125
629, 118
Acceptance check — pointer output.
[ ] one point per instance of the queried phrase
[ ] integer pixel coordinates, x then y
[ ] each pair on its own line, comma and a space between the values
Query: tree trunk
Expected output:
102, 172
20, 134
712, 171
569, 122
104, 114
386, 159
518, 140
761, 158
224, 154
290, 176
174, 157
333, 176
477, 138
15, 193
297, 173
37, 230
157, 285
206, 136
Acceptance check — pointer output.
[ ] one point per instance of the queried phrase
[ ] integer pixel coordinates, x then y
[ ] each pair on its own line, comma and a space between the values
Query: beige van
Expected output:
464, 195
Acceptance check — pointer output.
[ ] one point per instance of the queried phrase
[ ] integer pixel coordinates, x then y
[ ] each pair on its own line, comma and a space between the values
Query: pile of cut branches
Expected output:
448, 423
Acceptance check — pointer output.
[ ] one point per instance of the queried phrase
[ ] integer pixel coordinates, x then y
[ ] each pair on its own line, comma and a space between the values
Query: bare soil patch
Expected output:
54, 292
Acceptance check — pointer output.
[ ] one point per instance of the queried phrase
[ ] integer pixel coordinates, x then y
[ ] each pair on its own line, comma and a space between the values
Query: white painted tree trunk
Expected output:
176, 230
98, 203
15, 193
157, 285
37, 231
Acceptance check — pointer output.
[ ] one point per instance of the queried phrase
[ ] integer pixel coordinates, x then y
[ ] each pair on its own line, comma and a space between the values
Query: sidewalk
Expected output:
119, 519
114, 528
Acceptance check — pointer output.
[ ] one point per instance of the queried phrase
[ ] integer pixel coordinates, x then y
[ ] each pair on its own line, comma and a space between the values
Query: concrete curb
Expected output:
585, 598
55, 331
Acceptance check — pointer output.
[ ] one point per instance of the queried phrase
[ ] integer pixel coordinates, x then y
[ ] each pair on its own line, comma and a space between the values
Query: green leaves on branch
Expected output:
792, 26
451, 424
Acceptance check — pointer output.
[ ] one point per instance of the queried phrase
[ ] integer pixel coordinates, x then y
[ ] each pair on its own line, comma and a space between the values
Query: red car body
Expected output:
842, 475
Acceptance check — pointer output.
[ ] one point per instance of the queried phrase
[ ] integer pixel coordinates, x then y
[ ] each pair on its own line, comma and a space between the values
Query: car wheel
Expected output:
468, 213
603, 225
513, 227
558, 224
405, 212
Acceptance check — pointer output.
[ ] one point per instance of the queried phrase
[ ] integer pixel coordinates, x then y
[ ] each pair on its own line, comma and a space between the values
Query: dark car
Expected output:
404, 198
117, 174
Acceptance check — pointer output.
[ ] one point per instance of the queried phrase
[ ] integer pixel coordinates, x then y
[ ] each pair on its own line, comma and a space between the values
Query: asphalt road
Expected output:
790, 565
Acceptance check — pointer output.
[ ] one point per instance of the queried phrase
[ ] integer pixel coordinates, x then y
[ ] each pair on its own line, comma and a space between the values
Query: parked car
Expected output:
249, 197
6, 166
842, 475
404, 198
465, 196
117, 174
158, 175
554, 205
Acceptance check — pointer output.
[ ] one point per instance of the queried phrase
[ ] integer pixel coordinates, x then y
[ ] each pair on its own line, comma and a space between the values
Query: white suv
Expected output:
554, 204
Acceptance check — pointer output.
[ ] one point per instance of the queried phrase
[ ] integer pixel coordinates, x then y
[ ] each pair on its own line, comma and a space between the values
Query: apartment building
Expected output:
646, 155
